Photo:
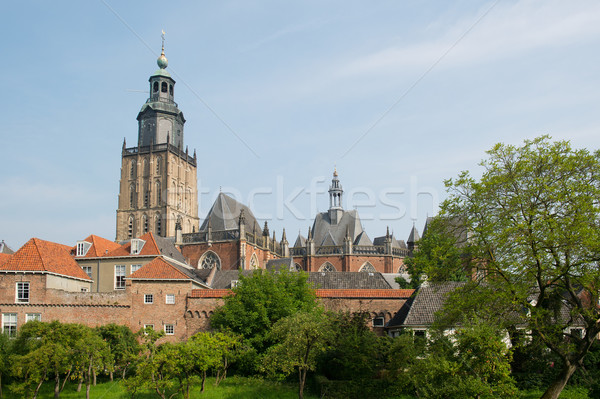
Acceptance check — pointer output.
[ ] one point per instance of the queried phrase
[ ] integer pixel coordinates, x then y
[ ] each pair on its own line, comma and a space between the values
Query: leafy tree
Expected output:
533, 221
474, 364
441, 254
5, 352
355, 352
143, 362
122, 343
260, 300
300, 339
89, 354
230, 349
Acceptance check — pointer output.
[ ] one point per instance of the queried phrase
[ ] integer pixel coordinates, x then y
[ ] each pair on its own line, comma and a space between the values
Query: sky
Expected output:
397, 95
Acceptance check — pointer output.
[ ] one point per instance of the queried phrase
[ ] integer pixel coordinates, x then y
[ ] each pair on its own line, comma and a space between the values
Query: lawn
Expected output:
232, 387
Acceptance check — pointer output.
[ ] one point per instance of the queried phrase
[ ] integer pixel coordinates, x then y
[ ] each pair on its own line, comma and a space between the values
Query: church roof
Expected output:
347, 280
300, 241
414, 235
225, 214
322, 227
363, 239
283, 263
44, 256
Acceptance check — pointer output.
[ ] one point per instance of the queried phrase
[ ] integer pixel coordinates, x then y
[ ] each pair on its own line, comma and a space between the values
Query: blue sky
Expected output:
398, 95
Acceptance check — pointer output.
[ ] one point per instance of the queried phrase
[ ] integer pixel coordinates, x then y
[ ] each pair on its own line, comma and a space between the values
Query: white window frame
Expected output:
148, 326
9, 324
33, 317
22, 295
170, 327
377, 324
170, 299
135, 268
148, 299
119, 277
87, 270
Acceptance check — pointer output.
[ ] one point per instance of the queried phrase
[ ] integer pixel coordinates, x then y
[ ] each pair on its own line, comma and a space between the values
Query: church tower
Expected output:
158, 188
335, 199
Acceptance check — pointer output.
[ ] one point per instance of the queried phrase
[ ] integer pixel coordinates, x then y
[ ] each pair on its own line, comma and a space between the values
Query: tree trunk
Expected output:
1, 385
203, 380
89, 372
79, 384
111, 375
37, 389
559, 383
56, 385
94, 377
301, 380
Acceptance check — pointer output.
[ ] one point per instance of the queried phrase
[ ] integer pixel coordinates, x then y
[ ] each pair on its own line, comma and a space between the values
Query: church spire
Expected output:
335, 199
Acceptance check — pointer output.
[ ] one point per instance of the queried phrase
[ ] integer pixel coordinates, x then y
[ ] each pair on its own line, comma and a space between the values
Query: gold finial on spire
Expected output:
335, 171
162, 60
163, 42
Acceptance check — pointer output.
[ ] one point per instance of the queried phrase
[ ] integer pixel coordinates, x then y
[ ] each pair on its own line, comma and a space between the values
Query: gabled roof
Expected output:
300, 241
414, 235
363, 239
322, 226
4, 258
328, 240
100, 247
283, 263
45, 256
428, 300
4, 249
225, 214
153, 246
161, 269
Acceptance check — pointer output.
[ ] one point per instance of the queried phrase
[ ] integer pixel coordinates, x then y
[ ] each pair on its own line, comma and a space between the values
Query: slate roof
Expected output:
100, 247
322, 227
363, 293
395, 243
414, 235
420, 312
363, 239
283, 263
45, 256
225, 214
347, 280
161, 269
300, 241
222, 278
4, 249
153, 246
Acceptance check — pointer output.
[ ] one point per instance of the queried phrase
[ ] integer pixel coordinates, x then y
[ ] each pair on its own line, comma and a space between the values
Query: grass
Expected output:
232, 387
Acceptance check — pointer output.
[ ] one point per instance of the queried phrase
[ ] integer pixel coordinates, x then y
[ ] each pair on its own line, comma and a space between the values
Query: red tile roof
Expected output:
159, 269
381, 293
210, 293
100, 247
44, 256
4, 258
368, 293
150, 247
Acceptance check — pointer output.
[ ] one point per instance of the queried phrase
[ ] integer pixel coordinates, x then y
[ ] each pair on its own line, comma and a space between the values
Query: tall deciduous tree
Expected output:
5, 351
533, 220
300, 339
260, 300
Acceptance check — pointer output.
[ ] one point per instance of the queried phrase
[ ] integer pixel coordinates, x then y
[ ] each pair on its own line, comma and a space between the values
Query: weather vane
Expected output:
163, 39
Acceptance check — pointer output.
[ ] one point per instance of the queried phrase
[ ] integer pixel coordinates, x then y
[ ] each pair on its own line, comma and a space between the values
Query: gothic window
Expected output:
158, 224
146, 195
132, 170
145, 223
171, 89
367, 267
253, 262
155, 87
158, 193
158, 160
327, 267
131, 195
163, 87
298, 267
209, 260
130, 227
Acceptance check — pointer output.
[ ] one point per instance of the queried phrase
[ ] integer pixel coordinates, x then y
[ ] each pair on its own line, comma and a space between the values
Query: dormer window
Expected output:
82, 248
234, 283
136, 246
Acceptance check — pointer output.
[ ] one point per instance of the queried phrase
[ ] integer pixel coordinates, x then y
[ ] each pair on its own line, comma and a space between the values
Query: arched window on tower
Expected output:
209, 260
146, 195
158, 161
155, 87
146, 169
130, 227
171, 89
158, 193
131, 195
327, 267
132, 170
144, 224
158, 224
163, 87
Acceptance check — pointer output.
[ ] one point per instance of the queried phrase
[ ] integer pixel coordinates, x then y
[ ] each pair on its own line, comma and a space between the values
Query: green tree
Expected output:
5, 352
441, 254
89, 354
260, 300
300, 339
122, 343
532, 220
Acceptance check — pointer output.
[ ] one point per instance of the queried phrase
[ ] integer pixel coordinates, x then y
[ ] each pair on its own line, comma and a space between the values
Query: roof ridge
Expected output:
37, 249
